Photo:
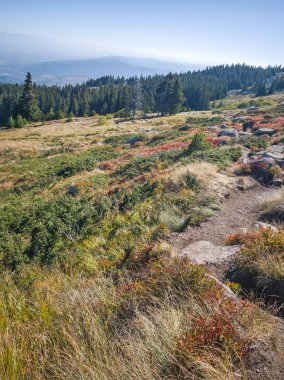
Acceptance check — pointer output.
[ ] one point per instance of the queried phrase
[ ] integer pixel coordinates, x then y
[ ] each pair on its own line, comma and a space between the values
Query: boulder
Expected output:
203, 252
72, 190
274, 155
133, 140
280, 163
277, 182
260, 170
259, 225
245, 133
239, 118
264, 131
279, 148
228, 133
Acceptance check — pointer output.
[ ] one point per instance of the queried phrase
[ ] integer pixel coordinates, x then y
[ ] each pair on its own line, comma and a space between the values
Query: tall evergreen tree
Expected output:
260, 89
136, 97
28, 106
176, 98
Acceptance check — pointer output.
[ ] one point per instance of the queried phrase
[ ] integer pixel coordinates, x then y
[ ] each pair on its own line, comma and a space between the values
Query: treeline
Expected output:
158, 93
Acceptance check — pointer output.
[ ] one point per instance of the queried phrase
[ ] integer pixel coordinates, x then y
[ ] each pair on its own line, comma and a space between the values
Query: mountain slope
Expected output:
78, 71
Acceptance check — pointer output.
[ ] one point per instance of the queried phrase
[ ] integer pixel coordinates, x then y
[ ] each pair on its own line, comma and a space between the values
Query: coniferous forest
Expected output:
162, 94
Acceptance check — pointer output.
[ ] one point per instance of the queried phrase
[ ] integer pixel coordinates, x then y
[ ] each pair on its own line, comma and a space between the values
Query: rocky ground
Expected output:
205, 245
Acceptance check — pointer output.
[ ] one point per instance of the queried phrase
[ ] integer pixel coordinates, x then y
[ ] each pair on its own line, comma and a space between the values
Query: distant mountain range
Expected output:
77, 71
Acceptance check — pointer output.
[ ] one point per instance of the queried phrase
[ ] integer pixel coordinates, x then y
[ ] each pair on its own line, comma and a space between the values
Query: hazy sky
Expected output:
203, 31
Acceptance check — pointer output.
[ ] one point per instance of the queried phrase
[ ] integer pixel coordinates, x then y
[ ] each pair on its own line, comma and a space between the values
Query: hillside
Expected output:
163, 94
79, 71
96, 215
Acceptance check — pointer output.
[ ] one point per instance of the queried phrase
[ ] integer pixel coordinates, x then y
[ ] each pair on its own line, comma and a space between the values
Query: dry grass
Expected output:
273, 208
209, 177
55, 326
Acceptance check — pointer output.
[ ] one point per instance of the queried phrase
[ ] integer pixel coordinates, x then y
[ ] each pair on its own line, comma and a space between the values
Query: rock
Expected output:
259, 225
228, 133
72, 190
274, 155
280, 163
277, 182
264, 131
133, 140
245, 133
239, 118
246, 183
264, 170
203, 252
279, 148
252, 108
229, 293
223, 126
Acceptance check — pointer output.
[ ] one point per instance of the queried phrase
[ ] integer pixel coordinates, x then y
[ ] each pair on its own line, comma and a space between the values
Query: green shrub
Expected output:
70, 117
198, 144
20, 122
102, 121
262, 255
12, 122
60, 115
221, 157
124, 113
253, 142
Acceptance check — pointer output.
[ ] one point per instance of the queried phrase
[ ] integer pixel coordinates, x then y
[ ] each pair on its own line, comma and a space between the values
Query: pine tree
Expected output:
176, 98
20, 121
136, 98
28, 107
12, 122
260, 89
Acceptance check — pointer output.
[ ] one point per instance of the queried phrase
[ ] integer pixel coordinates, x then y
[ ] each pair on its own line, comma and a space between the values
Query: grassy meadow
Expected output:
89, 286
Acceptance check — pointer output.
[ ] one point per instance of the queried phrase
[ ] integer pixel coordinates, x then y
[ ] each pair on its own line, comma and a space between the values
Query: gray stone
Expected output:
275, 156
71, 190
279, 148
260, 225
133, 140
228, 133
203, 252
245, 133
277, 182
264, 131
280, 163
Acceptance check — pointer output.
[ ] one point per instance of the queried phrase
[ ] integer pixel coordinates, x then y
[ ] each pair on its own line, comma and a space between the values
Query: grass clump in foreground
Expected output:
273, 210
261, 255
165, 319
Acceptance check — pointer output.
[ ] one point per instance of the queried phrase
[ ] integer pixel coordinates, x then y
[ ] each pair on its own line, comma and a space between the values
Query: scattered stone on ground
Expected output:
264, 131
265, 166
205, 252
259, 225
228, 133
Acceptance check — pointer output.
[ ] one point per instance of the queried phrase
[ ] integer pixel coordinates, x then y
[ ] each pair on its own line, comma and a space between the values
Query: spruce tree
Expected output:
176, 98
136, 98
12, 122
28, 107
260, 89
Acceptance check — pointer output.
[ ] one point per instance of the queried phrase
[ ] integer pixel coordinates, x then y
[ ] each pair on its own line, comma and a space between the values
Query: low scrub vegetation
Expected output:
262, 254
89, 288
167, 320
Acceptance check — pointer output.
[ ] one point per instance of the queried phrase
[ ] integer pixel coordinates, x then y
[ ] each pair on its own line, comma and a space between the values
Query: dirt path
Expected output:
240, 210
